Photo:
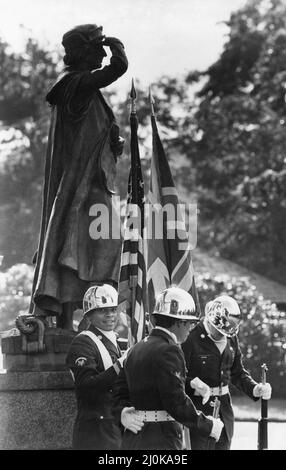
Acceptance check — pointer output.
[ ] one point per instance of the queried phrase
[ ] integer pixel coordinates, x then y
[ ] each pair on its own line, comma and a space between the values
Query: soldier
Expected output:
213, 360
153, 380
95, 360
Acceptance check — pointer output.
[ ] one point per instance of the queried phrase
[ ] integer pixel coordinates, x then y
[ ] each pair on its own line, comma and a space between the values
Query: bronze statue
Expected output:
83, 146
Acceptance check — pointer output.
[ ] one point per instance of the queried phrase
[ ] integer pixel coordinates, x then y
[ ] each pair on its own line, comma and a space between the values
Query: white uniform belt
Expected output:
154, 415
224, 390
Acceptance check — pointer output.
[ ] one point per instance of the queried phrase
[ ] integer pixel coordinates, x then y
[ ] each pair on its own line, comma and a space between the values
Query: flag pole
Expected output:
132, 268
133, 97
133, 115
152, 102
263, 421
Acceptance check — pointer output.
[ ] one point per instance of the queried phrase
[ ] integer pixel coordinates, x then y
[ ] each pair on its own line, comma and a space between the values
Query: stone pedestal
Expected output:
18, 354
37, 399
37, 410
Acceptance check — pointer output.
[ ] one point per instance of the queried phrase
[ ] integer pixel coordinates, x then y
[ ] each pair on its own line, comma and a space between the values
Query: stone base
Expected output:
37, 410
16, 357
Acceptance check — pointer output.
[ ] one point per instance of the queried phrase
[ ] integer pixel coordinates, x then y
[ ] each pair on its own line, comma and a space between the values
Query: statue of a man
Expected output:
80, 169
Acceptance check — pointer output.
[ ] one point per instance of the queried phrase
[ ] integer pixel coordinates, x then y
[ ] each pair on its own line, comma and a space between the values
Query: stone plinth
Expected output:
37, 410
17, 357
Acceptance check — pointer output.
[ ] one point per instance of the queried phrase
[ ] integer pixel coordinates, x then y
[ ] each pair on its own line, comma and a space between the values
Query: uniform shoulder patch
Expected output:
178, 375
80, 361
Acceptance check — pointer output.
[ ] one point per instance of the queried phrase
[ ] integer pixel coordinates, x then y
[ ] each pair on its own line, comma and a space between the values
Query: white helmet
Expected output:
177, 303
224, 314
99, 297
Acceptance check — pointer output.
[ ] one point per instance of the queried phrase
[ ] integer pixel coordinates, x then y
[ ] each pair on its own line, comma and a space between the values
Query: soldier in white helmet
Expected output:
153, 380
95, 360
214, 360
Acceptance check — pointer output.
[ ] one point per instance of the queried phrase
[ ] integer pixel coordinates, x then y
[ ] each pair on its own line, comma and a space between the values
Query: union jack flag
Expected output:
169, 260
132, 277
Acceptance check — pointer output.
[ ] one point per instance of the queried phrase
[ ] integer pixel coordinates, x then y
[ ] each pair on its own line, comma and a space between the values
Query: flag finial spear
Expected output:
152, 102
133, 98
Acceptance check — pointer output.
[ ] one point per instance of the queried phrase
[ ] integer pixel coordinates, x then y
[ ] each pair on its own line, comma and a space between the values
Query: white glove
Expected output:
123, 357
202, 388
262, 390
130, 419
217, 427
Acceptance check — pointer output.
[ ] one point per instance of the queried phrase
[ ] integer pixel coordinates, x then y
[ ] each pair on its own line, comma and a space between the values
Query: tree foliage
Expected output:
24, 117
232, 135
15, 293
241, 153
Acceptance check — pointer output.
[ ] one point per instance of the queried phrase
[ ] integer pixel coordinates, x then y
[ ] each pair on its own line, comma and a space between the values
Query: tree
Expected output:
24, 116
240, 155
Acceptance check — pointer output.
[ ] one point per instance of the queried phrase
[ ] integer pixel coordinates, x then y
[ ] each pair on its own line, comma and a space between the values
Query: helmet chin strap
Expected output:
208, 328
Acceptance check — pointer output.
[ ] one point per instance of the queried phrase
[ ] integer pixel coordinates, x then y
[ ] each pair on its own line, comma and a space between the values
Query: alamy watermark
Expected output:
170, 221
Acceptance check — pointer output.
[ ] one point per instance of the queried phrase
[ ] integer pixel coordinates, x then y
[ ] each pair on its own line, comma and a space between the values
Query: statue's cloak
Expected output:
80, 171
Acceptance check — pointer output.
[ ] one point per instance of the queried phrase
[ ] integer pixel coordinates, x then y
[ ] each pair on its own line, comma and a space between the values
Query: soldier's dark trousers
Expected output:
204, 443
101, 434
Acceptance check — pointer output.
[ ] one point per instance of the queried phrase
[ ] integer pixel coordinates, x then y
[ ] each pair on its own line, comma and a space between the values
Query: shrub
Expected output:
15, 293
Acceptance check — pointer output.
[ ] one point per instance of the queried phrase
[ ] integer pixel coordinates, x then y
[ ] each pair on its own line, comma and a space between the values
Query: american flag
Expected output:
169, 260
132, 277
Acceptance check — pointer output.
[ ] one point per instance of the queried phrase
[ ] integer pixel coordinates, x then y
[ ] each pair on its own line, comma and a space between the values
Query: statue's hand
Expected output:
117, 146
109, 41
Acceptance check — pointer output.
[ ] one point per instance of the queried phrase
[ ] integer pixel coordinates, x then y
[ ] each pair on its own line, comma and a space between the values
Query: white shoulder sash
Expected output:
105, 356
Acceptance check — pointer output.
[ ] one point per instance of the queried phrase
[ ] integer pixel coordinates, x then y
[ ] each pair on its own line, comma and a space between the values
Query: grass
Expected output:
247, 410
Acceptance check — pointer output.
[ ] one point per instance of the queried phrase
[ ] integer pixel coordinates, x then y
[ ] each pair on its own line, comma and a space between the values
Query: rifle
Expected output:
216, 407
263, 421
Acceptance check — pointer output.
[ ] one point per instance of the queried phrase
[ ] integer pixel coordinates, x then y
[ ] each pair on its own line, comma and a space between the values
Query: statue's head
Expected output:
84, 47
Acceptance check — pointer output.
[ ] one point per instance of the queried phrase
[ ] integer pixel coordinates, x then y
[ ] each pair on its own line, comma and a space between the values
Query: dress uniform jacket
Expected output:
95, 426
153, 378
204, 360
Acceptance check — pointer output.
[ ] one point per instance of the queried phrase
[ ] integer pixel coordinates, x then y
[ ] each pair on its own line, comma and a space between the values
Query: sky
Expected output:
161, 37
